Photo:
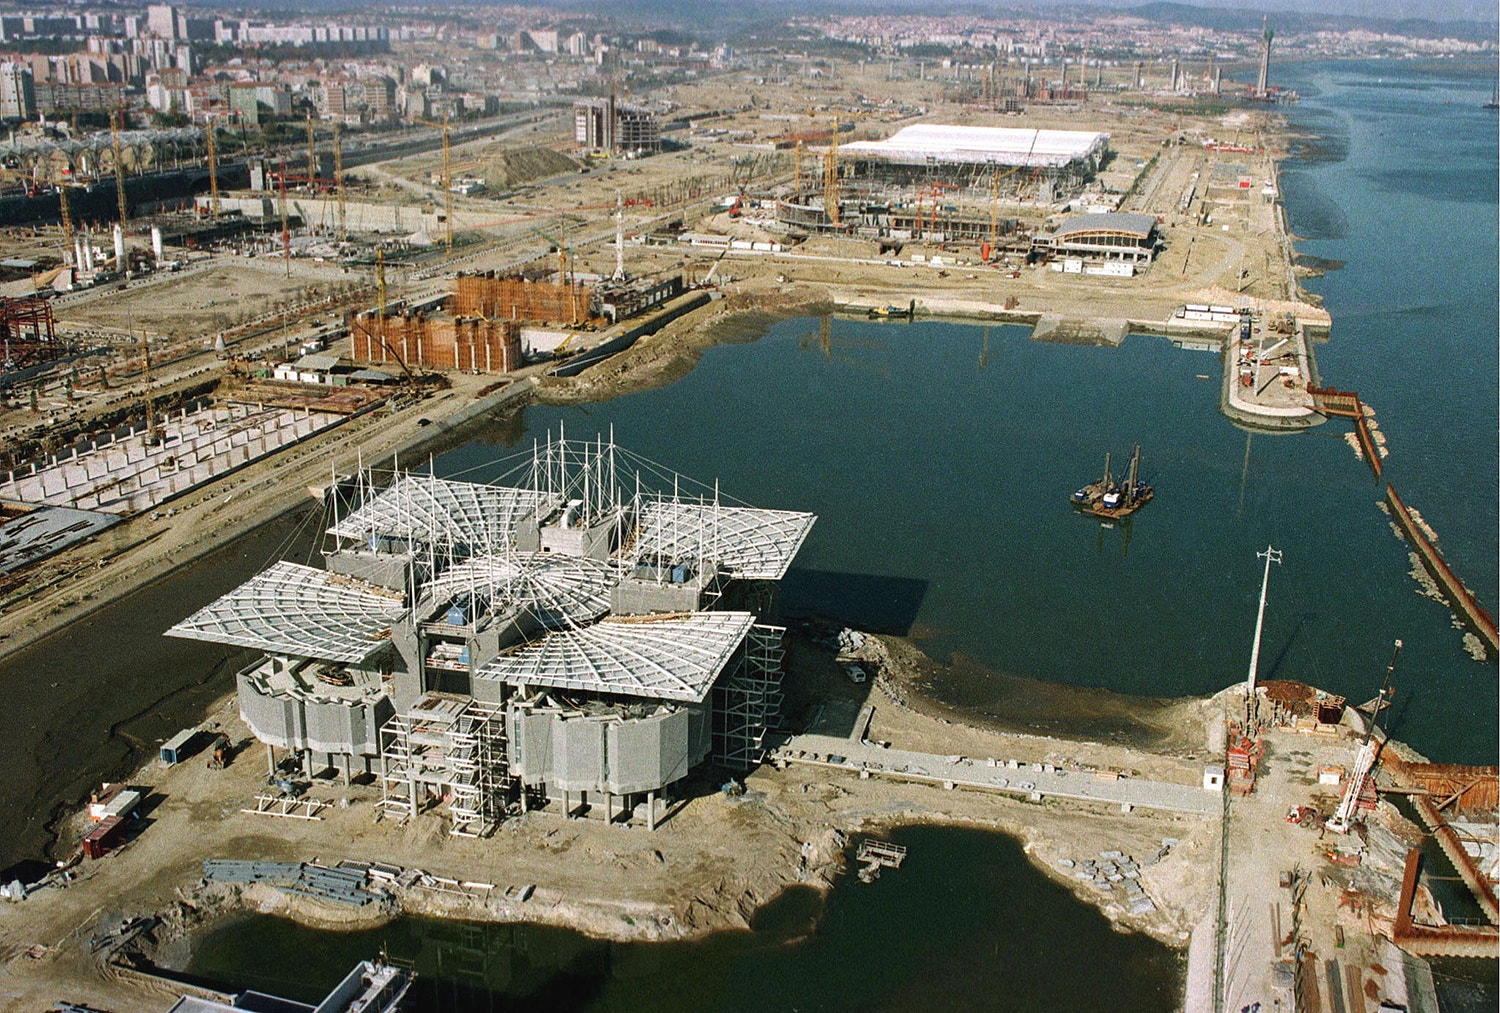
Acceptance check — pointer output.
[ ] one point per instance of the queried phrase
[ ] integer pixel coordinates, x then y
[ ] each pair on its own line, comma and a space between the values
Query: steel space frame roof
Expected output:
301, 611
754, 544
936, 142
668, 658
556, 588
422, 508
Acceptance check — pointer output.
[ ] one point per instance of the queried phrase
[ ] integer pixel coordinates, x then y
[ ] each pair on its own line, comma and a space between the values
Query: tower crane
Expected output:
831, 177
338, 176
1364, 760
114, 138
213, 171
447, 175
564, 276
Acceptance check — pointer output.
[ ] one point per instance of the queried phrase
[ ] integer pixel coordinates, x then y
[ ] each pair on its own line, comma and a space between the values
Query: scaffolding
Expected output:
28, 333
451, 747
747, 701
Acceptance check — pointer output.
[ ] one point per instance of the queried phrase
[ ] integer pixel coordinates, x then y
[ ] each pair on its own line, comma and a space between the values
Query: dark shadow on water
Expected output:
865, 601
1273, 670
965, 923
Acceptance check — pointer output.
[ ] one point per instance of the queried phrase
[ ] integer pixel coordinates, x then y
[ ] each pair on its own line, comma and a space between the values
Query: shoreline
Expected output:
658, 363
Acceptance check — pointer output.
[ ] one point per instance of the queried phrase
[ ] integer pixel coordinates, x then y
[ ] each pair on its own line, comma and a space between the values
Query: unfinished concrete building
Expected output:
943, 184
415, 340
579, 641
933, 154
607, 125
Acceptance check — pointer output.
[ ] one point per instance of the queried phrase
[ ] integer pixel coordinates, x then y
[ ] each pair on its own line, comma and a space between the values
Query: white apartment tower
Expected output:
17, 92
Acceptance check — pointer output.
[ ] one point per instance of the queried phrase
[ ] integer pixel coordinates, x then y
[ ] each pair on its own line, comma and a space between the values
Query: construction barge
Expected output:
1109, 499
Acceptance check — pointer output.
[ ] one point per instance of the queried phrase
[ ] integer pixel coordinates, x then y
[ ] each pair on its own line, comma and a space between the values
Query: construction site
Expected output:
466, 680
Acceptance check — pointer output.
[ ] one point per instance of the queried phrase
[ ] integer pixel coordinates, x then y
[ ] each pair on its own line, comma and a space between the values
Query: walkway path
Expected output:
1033, 780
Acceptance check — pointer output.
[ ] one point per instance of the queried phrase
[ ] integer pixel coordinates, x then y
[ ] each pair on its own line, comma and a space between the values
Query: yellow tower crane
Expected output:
338, 176
447, 173
380, 285
831, 177
447, 184
213, 172
114, 132
67, 222
312, 154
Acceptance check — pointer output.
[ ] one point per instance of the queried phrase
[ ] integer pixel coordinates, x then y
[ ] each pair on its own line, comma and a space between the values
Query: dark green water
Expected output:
940, 933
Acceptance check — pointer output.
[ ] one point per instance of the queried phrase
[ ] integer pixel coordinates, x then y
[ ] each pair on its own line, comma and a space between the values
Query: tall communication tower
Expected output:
1262, 79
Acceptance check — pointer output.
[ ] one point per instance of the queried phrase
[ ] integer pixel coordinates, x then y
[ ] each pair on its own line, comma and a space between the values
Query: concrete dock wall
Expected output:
1474, 615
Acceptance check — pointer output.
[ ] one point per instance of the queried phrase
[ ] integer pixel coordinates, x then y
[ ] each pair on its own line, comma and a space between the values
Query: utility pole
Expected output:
1270, 556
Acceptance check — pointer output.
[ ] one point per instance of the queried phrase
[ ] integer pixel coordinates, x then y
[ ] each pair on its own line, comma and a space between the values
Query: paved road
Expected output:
1031, 780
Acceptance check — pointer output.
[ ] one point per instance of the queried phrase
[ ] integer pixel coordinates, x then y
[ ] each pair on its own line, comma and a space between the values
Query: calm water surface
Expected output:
939, 456
940, 933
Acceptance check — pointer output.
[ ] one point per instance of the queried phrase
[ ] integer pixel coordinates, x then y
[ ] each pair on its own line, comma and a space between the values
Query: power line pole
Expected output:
1270, 556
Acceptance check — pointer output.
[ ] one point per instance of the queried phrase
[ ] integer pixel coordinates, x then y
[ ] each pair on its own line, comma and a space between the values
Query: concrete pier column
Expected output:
567, 809
270, 760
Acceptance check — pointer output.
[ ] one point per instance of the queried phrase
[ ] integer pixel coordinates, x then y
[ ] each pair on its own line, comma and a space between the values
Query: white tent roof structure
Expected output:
425, 509
754, 544
669, 658
935, 142
557, 589
301, 611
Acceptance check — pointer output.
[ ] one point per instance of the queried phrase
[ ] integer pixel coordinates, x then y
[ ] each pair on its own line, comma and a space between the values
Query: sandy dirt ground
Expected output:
708, 867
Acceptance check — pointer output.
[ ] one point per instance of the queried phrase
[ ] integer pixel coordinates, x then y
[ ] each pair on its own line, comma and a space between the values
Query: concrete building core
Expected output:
580, 641
941, 183
607, 125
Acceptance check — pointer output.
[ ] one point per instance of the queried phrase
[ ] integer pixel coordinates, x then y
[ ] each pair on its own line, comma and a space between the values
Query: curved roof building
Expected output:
557, 640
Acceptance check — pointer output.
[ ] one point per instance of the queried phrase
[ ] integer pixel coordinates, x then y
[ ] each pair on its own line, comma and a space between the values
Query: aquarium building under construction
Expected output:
579, 640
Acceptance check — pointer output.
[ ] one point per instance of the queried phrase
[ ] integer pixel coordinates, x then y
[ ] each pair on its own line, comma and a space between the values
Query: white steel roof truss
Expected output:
297, 610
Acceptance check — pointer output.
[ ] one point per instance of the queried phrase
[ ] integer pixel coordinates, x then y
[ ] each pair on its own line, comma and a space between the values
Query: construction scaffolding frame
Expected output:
451, 747
27, 333
747, 701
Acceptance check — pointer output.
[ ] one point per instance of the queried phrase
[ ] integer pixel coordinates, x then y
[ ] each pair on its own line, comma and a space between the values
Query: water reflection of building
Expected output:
579, 641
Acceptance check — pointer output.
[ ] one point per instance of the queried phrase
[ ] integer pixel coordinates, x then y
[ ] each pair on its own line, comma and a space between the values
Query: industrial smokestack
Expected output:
156, 244
120, 249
